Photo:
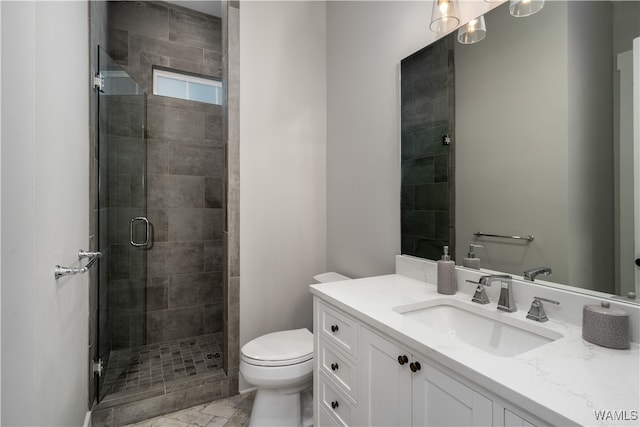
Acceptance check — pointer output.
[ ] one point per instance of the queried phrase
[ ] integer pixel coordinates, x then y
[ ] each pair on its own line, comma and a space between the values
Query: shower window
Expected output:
185, 86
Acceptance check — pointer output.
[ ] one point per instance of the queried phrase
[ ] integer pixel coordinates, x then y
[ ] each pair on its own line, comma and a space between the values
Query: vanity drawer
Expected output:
336, 403
339, 368
339, 329
326, 419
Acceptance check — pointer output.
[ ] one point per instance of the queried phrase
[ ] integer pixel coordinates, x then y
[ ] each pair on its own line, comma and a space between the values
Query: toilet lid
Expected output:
279, 348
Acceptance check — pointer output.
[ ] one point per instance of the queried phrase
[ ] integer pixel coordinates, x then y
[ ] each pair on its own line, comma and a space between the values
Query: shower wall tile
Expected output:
212, 317
427, 114
212, 58
147, 18
174, 123
159, 224
157, 156
187, 290
158, 293
156, 257
213, 255
186, 225
193, 67
214, 123
213, 224
184, 257
185, 160
118, 46
173, 319
213, 188
194, 29
175, 191
432, 197
185, 163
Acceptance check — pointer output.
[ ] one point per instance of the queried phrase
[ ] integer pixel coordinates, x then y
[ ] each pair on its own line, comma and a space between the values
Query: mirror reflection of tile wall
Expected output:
427, 165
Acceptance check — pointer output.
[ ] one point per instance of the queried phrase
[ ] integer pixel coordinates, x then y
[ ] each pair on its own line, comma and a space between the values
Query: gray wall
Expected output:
512, 168
363, 126
591, 64
185, 166
547, 170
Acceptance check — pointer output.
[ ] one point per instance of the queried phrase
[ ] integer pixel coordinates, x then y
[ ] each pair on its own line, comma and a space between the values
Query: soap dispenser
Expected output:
471, 261
447, 283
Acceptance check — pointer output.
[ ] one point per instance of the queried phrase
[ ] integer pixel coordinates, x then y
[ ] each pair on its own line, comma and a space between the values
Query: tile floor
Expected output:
230, 412
157, 363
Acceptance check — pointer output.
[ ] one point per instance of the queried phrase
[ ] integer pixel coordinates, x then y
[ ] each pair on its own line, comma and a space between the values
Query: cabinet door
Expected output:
439, 400
513, 420
385, 398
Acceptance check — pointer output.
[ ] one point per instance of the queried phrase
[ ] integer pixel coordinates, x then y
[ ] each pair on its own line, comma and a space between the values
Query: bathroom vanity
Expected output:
390, 350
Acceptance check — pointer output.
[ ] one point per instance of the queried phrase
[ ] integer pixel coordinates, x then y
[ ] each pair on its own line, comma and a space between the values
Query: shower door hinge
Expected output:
98, 82
98, 367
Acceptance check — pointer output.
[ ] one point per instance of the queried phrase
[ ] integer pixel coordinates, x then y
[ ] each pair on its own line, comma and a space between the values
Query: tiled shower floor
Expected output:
164, 362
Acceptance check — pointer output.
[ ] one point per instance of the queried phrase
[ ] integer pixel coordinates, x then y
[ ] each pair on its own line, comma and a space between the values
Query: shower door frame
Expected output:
121, 163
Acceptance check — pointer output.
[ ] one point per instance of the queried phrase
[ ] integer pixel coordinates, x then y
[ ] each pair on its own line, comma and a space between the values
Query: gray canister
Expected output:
605, 326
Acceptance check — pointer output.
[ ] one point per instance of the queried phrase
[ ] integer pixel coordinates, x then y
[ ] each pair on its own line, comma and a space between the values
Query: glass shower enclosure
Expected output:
123, 229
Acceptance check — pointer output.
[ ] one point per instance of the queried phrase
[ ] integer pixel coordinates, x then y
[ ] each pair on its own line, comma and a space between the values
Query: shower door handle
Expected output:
146, 229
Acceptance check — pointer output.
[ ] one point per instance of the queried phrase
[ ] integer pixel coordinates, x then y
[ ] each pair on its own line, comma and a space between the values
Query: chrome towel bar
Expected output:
67, 271
528, 238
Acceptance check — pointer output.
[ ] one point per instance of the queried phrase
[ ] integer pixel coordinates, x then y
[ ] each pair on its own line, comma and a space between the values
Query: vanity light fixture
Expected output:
445, 16
522, 8
473, 32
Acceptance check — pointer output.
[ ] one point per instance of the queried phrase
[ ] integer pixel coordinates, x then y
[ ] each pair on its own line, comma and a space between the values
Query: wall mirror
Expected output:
542, 120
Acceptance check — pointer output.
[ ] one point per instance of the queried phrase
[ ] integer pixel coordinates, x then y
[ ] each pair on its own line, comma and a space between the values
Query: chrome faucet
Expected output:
480, 296
506, 301
536, 312
531, 274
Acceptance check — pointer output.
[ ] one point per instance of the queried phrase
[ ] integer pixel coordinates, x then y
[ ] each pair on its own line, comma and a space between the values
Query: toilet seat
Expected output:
283, 348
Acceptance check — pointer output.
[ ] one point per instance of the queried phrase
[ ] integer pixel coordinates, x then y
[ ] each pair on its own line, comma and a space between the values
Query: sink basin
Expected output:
493, 332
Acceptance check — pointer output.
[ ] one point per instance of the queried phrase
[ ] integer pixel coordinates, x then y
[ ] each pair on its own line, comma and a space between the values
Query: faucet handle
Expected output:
481, 283
552, 301
480, 296
536, 312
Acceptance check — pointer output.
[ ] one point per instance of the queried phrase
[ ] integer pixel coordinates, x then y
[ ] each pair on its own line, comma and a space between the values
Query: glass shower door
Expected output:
123, 230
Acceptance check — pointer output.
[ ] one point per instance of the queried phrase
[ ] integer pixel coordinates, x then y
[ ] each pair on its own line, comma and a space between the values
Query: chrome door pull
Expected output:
147, 231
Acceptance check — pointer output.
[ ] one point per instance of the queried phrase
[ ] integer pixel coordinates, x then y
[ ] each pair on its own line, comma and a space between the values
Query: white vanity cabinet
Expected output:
400, 388
335, 370
362, 377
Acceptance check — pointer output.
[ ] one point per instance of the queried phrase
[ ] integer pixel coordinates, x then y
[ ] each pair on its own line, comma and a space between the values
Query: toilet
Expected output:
280, 366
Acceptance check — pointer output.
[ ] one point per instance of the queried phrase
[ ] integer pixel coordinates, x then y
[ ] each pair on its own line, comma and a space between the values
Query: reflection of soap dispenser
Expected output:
447, 283
471, 261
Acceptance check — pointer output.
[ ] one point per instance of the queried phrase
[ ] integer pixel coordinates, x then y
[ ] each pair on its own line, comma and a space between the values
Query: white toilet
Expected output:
280, 365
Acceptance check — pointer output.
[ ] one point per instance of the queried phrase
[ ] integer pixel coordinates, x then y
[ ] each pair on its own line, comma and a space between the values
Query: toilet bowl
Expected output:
280, 366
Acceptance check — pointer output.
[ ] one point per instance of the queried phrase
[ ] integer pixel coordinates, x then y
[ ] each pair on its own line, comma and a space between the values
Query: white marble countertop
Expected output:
562, 382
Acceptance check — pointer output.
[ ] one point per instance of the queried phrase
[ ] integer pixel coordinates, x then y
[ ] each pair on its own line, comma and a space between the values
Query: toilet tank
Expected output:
329, 277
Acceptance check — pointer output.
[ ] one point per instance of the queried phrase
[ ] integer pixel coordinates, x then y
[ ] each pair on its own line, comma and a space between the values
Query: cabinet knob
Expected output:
402, 359
638, 262
335, 404
334, 366
415, 366
334, 328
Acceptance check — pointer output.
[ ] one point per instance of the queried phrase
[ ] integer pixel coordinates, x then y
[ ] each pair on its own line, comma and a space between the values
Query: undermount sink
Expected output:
493, 332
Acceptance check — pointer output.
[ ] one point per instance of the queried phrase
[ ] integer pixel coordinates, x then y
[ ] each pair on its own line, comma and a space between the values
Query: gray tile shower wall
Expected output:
185, 166
427, 166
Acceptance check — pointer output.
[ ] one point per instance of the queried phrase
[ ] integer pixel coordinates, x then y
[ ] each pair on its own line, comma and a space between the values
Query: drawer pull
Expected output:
402, 359
415, 366
334, 328
334, 366
335, 404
